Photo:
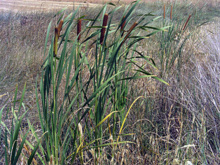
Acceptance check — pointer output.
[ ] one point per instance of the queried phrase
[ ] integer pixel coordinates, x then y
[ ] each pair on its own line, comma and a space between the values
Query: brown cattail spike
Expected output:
104, 24
187, 22
55, 42
129, 31
164, 11
171, 12
60, 27
79, 25
123, 25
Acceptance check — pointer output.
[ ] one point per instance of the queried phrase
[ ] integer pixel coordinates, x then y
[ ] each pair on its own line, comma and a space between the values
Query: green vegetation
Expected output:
126, 86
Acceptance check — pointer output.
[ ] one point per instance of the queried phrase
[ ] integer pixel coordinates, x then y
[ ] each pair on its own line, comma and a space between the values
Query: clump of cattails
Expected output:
184, 27
104, 24
79, 26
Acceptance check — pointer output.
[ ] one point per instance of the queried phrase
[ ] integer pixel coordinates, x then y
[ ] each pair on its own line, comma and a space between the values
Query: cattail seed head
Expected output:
164, 11
104, 24
129, 31
60, 27
171, 12
79, 25
123, 25
186, 22
55, 42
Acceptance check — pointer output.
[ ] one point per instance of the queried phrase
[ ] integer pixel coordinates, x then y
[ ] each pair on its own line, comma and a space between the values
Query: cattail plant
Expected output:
79, 24
104, 24
186, 22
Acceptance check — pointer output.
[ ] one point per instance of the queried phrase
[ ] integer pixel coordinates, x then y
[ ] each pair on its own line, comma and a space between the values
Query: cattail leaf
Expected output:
154, 77
67, 18
22, 97
6, 148
33, 153
97, 27
136, 77
15, 96
15, 138
147, 59
110, 144
127, 116
69, 25
110, 3
1, 118
131, 9
91, 36
103, 120
59, 12
148, 14
96, 18
103, 86
20, 148
31, 146
47, 36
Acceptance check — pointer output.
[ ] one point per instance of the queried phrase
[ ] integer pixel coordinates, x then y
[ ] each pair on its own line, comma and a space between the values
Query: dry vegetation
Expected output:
175, 124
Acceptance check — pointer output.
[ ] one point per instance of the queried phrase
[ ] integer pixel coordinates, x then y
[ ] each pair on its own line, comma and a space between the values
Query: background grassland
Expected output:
172, 124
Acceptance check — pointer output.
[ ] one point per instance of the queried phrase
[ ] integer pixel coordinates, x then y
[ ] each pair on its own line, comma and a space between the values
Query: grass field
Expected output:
140, 85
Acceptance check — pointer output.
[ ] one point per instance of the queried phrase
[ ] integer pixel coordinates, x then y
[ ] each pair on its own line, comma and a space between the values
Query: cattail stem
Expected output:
79, 25
104, 24
55, 42
123, 26
164, 11
187, 22
171, 12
